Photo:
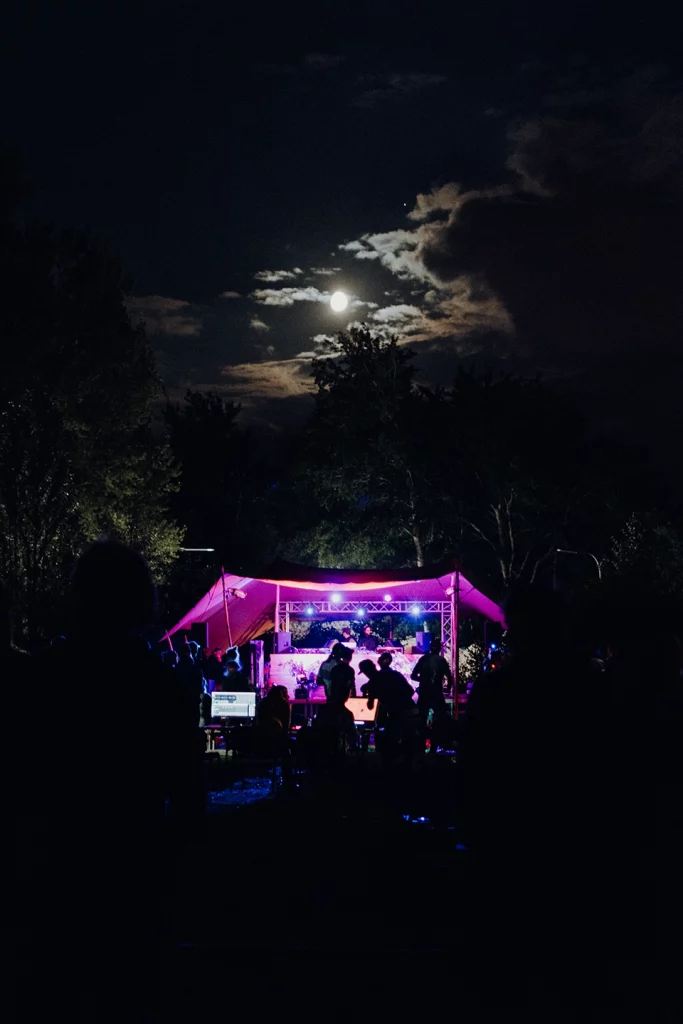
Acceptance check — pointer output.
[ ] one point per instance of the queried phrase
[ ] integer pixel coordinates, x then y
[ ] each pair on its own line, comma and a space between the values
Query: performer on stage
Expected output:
368, 642
345, 638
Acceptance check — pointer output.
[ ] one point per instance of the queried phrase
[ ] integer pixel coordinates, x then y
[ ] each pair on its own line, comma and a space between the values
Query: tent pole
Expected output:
455, 609
456, 645
225, 607
277, 608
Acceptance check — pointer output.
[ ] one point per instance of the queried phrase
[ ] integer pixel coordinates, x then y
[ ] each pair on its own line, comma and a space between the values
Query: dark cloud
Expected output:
164, 315
378, 89
322, 61
583, 248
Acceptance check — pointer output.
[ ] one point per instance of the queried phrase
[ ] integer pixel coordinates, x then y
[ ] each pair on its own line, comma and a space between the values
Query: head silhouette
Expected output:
435, 646
385, 660
112, 587
368, 668
536, 620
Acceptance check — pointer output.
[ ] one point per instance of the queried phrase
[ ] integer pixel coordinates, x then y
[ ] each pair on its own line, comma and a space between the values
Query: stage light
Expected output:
387, 597
310, 610
360, 613
450, 591
415, 610
335, 599
238, 593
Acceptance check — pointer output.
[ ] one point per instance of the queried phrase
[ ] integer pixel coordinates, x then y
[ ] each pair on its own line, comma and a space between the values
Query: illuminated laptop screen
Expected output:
358, 706
233, 705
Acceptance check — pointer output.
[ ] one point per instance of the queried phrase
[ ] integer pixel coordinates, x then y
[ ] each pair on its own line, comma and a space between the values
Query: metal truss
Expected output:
308, 609
368, 607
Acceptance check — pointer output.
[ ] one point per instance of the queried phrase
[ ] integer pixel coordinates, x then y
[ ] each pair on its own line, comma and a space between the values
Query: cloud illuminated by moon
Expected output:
339, 302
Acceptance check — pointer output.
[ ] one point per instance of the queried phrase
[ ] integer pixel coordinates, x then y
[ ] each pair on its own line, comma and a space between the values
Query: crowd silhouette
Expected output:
568, 786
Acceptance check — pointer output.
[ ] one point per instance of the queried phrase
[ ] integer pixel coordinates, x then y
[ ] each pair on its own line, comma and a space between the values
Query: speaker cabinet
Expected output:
281, 642
423, 642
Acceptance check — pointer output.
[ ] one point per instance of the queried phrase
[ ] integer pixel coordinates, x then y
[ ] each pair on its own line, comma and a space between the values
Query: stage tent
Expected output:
253, 613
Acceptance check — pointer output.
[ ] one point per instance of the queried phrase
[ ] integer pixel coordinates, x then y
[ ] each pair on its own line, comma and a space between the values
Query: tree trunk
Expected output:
419, 553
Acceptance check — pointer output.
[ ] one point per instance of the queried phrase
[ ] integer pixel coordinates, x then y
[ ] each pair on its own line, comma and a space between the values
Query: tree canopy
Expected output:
79, 458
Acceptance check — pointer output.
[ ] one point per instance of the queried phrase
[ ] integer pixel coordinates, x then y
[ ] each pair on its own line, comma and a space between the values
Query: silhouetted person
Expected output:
529, 791
213, 667
431, 671
645, 688
333, 659
190, 677
110, 798
389, 687
342, 676
396, 713
235, 680
273, 718
335, 717
233, 654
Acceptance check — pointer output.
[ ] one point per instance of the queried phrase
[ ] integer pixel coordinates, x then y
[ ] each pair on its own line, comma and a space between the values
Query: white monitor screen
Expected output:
233, 705
358, 706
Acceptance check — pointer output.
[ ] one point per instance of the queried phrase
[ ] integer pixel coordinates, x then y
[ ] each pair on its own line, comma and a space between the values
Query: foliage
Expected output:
645, 561
359, 456
497, 471
78, 457
224, 494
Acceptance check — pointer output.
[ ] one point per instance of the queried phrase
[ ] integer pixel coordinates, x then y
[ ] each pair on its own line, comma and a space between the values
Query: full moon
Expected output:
339, 302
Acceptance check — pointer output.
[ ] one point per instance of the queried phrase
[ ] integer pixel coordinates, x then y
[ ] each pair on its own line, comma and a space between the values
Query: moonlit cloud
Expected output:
257, 324
230, 295
397, 314
324, 271
274, 378
288, 296
163, 315
274, 276
395, 250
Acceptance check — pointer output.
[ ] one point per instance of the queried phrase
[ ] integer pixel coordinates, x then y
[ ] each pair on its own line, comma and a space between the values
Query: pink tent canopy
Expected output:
254, 614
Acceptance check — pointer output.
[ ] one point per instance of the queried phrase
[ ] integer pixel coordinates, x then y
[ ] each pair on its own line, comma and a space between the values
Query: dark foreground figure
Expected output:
570, 802
124, 771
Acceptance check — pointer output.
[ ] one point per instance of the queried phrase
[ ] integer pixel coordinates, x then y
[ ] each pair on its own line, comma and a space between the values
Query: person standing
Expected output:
430, 672
396, 712
325, 670
343, 678
234, 680
368, 641
213, 668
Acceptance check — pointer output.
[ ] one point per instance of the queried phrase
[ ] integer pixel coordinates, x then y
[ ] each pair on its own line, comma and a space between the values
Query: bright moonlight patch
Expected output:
339, 302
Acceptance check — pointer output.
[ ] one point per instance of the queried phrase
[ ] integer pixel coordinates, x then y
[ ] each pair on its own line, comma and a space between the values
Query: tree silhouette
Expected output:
78, 387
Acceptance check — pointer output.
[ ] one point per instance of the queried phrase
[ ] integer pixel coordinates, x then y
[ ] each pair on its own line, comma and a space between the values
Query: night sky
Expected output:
499, 183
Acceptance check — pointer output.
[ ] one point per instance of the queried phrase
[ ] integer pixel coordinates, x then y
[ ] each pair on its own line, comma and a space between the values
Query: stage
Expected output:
288, 669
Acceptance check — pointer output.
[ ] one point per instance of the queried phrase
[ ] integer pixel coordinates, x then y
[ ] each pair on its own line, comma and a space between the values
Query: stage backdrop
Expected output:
287, 669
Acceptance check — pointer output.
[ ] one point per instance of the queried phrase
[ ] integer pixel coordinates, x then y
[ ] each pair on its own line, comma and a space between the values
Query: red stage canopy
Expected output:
254, 614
